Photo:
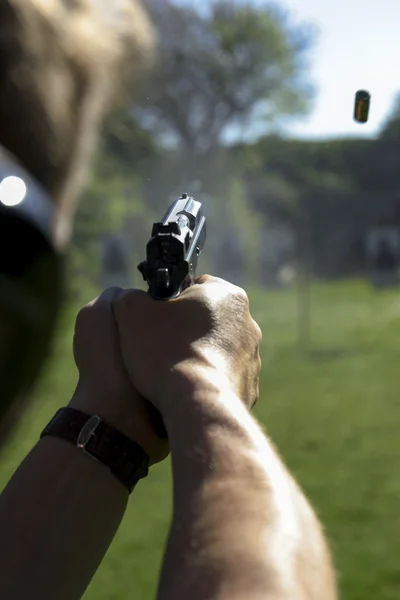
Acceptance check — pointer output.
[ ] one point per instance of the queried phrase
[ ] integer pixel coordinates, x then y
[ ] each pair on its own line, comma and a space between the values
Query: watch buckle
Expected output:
86, 434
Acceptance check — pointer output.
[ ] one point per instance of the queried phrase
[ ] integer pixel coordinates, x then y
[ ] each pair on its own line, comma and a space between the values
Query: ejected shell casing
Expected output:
361, 106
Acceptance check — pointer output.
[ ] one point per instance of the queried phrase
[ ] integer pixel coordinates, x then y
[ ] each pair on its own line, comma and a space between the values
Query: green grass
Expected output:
334, 414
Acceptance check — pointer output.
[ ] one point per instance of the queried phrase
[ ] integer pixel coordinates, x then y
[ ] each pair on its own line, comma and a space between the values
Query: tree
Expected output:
129, 148
221, 70
391, 128
112, 203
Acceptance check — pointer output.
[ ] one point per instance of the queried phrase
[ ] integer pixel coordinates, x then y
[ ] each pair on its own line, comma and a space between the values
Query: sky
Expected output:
357, 47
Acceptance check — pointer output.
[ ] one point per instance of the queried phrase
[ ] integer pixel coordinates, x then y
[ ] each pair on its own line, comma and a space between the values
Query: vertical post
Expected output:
304, 285
115, 262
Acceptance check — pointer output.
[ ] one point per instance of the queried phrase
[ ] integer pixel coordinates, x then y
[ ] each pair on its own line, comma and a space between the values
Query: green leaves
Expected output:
222, 69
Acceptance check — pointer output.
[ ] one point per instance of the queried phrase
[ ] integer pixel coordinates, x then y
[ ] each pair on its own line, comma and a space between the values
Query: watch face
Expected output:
88, 431
126, 459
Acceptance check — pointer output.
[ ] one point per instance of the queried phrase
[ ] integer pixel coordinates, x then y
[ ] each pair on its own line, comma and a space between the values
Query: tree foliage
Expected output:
234, 67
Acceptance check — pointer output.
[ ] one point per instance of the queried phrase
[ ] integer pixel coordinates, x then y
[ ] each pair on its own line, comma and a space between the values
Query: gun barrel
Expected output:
174, 248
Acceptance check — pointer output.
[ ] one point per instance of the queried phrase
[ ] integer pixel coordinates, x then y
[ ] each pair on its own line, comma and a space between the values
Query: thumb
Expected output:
201, 279
108, 296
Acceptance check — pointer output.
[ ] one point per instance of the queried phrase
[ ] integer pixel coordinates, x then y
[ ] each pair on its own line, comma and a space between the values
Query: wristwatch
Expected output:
90, 434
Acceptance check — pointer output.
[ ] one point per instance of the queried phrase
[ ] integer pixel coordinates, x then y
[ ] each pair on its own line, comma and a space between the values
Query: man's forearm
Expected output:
241, 527
58, 516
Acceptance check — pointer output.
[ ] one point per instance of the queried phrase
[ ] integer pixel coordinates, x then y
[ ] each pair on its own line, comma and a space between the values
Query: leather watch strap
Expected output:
126, 459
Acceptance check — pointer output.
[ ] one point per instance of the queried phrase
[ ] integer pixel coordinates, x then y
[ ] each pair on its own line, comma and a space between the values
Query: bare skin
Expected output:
242, 528
61, 509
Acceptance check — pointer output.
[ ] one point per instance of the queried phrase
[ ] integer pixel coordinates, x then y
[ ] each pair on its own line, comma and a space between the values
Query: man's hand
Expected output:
208, 331
196, 358
104, 387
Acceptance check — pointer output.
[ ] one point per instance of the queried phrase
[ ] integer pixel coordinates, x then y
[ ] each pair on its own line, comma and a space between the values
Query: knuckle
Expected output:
257, 331
83, 315
209, 279
131, 303
124, 300
256, 392
205, 278
109, 296
198, 290
242, 297
87, 309
109, 291
119, 302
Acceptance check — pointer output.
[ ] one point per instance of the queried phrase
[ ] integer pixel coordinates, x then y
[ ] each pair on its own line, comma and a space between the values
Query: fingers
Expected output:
257, 330
131, 302
113, 297
108, 296
201, 279
100, 307
210, 279
256, 393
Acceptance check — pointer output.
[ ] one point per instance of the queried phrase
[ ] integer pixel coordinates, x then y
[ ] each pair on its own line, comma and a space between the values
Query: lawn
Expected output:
332, 409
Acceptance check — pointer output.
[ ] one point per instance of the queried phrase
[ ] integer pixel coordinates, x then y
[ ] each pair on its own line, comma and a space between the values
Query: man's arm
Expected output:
241, 526
241, 529
61, 509
58, 516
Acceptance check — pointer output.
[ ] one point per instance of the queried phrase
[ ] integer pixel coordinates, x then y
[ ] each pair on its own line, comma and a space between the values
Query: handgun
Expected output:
172, 254
174, 248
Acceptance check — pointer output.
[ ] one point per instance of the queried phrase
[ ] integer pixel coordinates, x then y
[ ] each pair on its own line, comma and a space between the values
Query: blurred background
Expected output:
249, 108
